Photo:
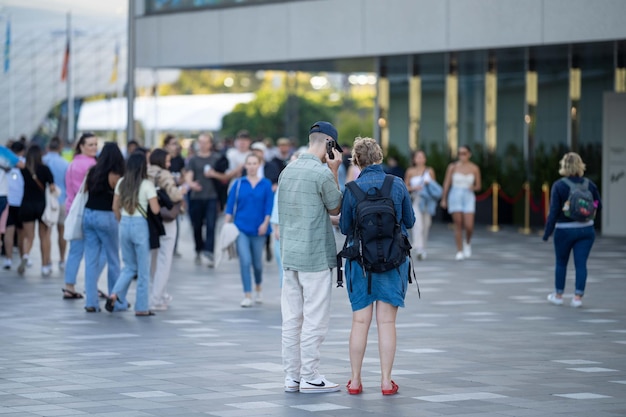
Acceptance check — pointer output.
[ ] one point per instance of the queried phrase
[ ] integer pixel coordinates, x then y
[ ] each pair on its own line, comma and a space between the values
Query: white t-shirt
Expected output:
235, 158
146, 192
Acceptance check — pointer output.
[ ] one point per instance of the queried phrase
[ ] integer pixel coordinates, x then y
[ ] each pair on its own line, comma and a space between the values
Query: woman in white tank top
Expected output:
462, 180
415, 178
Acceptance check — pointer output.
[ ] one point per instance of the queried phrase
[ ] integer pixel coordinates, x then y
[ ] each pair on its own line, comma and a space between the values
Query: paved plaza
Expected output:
482, 341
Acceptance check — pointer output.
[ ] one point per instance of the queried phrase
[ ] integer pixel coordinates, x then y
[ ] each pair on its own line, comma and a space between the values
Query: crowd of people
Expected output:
296, 204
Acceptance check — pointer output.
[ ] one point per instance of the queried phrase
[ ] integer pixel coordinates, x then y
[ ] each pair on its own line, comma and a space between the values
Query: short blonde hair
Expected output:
366, 152
572, 165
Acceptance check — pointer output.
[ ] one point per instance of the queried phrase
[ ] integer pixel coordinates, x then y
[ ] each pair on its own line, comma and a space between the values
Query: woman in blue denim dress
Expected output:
570, 235
388, 289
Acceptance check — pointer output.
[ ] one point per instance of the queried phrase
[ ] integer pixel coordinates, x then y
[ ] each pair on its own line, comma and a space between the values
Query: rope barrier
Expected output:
510, 200
485, 195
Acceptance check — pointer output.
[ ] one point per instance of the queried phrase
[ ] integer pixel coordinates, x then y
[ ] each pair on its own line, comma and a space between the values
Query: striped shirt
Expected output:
307, 190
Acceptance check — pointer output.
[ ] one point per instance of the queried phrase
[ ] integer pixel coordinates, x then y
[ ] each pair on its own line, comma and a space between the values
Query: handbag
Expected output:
74, 219
155, 226
52, 211
169, 209
228, 236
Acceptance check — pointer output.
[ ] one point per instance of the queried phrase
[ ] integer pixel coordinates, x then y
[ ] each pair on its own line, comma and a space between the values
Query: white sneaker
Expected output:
291, 385
575, 303
459, 256
7, 264
554, 300
61, 266
421, 255
46, 270
258, 298
22, 267
246, 302
467, 250
158, 307
318, 385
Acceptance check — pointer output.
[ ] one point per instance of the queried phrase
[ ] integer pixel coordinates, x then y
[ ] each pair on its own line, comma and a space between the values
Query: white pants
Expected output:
162, 264
419, 233
305, 305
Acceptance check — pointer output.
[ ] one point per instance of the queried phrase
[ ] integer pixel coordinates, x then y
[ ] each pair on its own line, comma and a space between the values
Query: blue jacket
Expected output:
374, 176
430, 194
558, 196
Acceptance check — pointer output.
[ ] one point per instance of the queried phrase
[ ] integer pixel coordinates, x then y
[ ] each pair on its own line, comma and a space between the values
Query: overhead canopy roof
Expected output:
175, 113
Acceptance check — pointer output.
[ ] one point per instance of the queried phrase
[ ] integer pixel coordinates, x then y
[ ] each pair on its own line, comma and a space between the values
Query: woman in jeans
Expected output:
250, 204
84, 158
36, 177
160, 175
134, 196
99, 224
570, 235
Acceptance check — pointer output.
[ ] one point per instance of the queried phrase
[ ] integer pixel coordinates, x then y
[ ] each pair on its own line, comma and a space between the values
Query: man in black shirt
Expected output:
203, 199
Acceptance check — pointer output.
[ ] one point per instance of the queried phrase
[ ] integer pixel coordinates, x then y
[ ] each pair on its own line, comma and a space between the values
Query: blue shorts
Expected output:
461, 200
390, 286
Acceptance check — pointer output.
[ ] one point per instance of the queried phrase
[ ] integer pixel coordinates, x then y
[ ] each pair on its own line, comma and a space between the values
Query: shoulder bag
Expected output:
74, 219
155, 226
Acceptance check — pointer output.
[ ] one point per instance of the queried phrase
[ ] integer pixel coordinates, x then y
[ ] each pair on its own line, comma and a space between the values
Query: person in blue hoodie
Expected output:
570, 235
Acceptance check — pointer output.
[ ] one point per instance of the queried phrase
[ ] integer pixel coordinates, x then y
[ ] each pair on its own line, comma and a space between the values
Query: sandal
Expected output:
101, 294
109, 305
354, 391
145, 313
71, 295
92, 309
392, 391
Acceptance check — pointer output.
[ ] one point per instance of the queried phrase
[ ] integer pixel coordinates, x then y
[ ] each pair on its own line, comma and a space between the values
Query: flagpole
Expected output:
130, 78
69, 80
7, 68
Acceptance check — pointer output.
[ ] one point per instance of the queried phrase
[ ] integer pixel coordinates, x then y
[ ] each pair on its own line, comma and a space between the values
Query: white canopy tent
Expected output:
189, 113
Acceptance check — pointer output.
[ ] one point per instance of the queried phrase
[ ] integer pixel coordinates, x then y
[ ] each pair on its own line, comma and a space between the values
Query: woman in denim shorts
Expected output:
462, 180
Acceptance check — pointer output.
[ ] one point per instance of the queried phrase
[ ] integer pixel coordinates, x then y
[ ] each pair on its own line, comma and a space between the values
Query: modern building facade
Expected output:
518, 80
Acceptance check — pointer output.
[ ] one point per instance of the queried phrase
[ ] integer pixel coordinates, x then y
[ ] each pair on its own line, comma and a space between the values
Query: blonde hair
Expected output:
572, 165
366, 152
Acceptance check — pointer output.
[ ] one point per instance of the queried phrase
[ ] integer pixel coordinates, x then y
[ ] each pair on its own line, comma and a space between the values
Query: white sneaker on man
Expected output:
576, 302
291, 385
318, 385
459, 256
467, 250
7, 264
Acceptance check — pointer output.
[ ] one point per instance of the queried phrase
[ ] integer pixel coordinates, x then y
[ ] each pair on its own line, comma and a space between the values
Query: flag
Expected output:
7, 48
116, 61
66, 62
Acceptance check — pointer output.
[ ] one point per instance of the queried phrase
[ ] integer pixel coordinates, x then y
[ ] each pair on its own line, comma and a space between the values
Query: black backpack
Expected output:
378, 242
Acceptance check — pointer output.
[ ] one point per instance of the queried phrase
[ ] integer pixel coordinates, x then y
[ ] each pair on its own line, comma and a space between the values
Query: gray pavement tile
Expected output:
482, 326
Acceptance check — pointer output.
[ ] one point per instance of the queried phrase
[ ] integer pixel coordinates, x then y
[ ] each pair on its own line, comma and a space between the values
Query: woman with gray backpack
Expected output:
574, 202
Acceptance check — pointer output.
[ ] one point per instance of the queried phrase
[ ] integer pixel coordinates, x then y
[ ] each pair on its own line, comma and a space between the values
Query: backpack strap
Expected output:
385, 190
356, 191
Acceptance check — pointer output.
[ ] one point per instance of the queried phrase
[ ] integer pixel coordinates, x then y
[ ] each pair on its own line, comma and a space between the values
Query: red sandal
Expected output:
354, 391
392, 391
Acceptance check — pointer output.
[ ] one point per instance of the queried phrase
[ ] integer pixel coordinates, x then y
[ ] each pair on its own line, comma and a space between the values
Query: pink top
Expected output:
74, 177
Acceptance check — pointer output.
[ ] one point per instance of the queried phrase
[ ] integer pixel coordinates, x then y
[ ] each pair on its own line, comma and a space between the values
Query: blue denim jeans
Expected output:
135, 245
74, 256
203, 211
99, 237
579, 240
250, 252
